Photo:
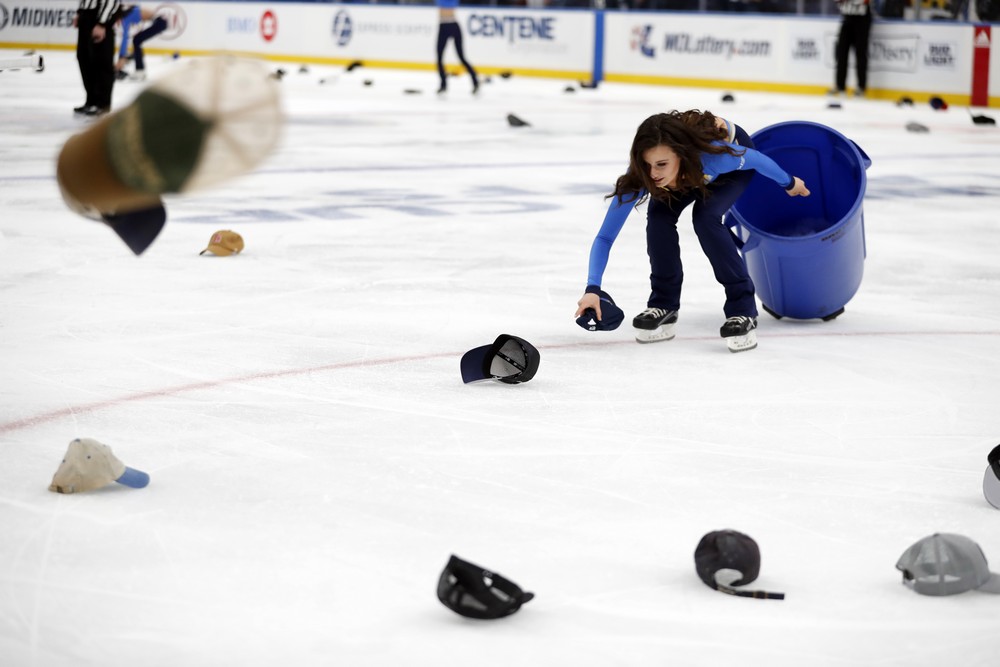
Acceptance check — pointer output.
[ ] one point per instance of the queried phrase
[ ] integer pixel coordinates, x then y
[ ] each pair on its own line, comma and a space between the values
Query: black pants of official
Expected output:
96, 59
718, 243
446, 31
854, 34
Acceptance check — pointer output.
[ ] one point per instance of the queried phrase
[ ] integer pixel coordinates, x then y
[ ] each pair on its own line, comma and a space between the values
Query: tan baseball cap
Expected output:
89, 464
224, 243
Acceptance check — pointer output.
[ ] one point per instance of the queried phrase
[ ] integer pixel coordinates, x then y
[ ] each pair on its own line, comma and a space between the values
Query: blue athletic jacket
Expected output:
712, 166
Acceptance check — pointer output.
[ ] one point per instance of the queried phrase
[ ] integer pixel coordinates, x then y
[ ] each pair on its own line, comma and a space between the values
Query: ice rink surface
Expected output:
315, 457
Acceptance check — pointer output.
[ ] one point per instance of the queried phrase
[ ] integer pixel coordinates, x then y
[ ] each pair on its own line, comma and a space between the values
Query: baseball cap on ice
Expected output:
224, 243
947, 564
474, 592
89, 464
730, 550
509, 359
991, 479
611, 315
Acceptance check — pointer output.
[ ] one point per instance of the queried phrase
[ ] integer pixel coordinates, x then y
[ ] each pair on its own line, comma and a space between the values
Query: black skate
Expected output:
654, 324
740, 333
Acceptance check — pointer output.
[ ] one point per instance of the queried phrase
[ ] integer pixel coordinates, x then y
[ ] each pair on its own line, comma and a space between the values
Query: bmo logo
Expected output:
268, 25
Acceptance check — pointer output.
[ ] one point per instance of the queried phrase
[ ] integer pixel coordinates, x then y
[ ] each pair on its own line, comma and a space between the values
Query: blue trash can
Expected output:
805, 255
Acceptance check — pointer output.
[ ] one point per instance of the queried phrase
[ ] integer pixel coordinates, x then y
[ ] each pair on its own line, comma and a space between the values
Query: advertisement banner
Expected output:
781, 54
551, 43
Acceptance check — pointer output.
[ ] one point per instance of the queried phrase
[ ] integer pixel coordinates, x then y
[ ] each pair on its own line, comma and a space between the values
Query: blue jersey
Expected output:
130, 18
712, 165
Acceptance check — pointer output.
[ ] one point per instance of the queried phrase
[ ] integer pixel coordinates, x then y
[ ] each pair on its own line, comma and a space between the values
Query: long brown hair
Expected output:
687, 133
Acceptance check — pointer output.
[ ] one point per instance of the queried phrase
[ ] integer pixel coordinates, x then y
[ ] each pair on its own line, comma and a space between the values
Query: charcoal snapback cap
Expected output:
475, 592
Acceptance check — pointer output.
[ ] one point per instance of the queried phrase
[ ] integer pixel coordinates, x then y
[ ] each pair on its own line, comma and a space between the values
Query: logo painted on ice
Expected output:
268, 25
343, 28
640, 40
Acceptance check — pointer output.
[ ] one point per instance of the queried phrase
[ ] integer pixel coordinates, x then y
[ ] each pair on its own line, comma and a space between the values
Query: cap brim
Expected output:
218, 251
136, 479
138, 229
991, 487
588, 320
474, 363
992, 585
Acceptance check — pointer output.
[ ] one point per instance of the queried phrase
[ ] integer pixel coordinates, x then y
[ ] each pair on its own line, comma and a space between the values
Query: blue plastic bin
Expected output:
805, 254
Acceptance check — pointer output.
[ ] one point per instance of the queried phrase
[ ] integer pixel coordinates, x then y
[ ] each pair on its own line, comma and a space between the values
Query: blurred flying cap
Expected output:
730, 550
224, 243
991, 480
611, 315
472, 591
508, 359
947, 564
90, 465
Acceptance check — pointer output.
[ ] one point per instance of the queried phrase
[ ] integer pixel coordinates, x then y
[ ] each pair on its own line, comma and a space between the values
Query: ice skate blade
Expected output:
660, 333
742, 343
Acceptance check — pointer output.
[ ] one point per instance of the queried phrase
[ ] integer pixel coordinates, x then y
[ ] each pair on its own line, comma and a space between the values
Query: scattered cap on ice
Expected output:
946, 564
991, 479
89, 464
516, 121
474, 592
938, 103
728, 97
723, 550
508, 359
224, 242
905, 102
611, 315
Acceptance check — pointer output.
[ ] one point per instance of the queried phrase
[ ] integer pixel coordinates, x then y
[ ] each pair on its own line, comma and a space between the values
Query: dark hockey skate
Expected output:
654, 324
740, 333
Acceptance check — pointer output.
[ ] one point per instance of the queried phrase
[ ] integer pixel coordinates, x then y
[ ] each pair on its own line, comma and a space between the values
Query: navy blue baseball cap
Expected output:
611, 315
508, 359
138, 229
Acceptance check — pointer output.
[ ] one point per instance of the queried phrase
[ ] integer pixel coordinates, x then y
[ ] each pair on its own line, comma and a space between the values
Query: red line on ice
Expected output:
27, 422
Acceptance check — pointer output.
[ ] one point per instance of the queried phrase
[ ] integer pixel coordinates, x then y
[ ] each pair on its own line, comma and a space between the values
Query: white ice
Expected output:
315, 457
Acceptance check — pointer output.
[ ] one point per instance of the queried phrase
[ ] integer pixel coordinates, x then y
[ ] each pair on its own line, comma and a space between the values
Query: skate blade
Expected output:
660, 333
742, 343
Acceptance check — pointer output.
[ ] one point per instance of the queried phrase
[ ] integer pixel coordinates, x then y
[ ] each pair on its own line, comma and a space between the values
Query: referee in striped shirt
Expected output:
95, 52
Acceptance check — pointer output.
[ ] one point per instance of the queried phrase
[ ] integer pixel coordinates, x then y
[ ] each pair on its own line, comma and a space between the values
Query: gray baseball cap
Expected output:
947, 564
991, 479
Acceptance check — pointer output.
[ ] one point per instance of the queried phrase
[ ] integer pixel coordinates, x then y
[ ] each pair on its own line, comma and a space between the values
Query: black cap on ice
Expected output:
730, 550
474, 592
